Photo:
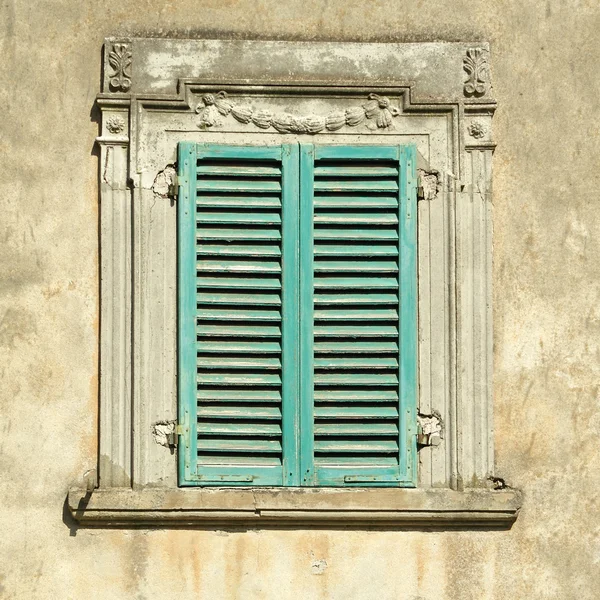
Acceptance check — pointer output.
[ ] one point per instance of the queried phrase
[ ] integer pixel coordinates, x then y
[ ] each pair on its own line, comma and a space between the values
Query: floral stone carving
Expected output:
119, 58
478, 72
377, 113
115, 124
477, 130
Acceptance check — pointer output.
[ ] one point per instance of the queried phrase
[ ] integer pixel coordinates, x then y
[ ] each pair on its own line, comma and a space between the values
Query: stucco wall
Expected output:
547, 314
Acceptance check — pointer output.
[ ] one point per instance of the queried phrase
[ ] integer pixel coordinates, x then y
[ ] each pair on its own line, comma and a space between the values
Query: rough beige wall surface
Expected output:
545, 57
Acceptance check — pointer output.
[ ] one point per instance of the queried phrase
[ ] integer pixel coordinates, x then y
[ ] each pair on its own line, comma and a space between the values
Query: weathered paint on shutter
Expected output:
358, 330
238, 307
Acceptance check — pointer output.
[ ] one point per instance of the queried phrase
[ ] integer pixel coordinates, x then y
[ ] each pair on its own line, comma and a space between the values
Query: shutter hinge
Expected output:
173, 190
420, 189
430, 438
173, 436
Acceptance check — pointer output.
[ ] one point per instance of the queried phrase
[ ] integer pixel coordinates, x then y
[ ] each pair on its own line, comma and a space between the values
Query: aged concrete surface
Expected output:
547, 310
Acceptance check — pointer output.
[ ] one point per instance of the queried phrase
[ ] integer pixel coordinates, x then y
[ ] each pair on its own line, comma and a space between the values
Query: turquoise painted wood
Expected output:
306, 314
290, 312
364, 321
186, 275
297, 315
408, 387
238, 280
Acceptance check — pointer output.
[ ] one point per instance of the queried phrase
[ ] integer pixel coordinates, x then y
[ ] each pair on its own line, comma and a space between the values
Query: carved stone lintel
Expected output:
119, 58
477, 69
376, 112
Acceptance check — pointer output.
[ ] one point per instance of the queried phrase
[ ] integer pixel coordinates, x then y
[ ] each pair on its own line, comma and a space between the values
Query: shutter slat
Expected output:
350, 314
238, 185
354, 331
357, 446
236, 362
326, 282
238, 331
236, 218
237, 346
243, 201
355, 266
238, 379
347, 218
239, 282
233, 170
238, 445
355, 250
236, 429
375, 201
370, 362
241, 461
357, 412
357, 463
246, 250
351, 379
365, 395
355, 298
356, 171
356, 185
241, 314
357, 429
375, 234
354, 347
241, 234
234, 299
240, 412
240, 266
225, 395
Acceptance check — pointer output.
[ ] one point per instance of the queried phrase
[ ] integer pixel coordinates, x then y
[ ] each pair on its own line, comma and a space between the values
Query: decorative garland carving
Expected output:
119, 58
477, 69
376, 112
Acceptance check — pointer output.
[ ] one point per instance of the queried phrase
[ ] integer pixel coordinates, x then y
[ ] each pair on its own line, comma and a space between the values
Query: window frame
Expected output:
439, 94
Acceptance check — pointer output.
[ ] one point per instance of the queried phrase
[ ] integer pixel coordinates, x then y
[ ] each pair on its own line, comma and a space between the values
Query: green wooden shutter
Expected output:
297, 315
358, 252
238, 225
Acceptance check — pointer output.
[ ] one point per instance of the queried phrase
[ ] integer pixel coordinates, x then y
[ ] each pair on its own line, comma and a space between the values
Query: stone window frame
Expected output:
159, 91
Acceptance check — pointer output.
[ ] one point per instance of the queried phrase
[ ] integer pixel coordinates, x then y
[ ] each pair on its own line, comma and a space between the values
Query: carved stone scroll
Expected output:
477, 69
120, 59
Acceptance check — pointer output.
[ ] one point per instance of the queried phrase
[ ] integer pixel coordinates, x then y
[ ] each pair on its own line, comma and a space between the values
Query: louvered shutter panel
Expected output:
358, 249
236, 302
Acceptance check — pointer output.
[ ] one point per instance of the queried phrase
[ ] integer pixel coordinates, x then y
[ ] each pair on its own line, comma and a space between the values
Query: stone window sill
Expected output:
293, 506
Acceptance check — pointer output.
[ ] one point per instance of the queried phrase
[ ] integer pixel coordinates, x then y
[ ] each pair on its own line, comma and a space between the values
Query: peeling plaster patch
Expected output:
318, 566
498, 483
431, 427
221, 533
106, 164
161, 430
430, 184
163, 180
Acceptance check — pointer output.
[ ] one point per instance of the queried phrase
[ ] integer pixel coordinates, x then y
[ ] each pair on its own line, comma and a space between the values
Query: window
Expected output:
297, 315
436, 101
